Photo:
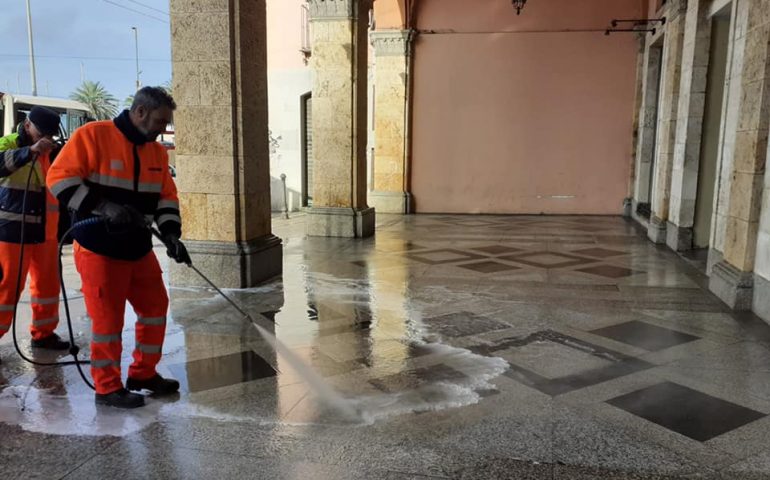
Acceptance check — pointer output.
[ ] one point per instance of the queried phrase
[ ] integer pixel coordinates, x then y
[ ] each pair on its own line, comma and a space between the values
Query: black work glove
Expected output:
123, 215
176, 249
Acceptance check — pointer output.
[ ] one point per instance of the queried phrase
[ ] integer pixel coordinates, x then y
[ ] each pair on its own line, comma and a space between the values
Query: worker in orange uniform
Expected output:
116, 170
29, 214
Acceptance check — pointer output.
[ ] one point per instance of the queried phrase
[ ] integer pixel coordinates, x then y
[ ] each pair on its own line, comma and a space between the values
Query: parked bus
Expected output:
14, 109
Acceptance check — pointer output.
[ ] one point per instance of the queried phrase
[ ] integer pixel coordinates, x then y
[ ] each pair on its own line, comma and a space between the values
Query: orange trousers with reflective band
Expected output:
42, 265
107, 285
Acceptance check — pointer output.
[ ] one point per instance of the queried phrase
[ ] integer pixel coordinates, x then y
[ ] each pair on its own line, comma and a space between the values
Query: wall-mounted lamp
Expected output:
518, 5
640, 22
634, 30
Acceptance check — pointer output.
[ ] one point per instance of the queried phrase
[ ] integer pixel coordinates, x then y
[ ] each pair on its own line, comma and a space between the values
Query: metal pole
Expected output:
31, 51
285, 197
136, 46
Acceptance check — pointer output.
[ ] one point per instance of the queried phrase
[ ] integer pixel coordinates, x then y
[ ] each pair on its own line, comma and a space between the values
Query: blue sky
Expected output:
95, 32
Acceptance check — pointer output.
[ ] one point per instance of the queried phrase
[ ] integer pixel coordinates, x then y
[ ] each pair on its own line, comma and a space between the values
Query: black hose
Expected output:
74, 349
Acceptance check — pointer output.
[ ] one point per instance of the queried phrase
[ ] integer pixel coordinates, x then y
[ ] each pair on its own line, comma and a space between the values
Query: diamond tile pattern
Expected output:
545, 259
644, 335
442, 256
686, 411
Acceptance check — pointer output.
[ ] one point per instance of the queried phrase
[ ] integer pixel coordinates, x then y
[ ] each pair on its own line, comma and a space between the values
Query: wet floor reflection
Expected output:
217, 372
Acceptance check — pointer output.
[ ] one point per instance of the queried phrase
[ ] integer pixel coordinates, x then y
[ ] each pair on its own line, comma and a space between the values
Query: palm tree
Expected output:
101, 104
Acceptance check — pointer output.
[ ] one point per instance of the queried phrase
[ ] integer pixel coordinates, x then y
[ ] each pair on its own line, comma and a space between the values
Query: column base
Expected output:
715, 256
390, 202
628, 207
732, 286
340, 222
656, 230
761, 304
230, 264
678, 238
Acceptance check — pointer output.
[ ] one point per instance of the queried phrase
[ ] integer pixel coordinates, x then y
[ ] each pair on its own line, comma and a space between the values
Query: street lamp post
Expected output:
31, 51
136, 47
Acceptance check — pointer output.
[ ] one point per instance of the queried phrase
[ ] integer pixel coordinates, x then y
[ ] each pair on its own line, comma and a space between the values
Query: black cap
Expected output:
46, 120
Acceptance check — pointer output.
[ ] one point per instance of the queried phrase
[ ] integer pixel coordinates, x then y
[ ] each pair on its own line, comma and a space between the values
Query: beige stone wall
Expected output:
339, 102
750, 151
390, 111
220, 86
692, 101
668, 113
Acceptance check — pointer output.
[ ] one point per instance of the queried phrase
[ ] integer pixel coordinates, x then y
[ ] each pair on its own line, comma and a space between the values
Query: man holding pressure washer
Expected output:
116, 171
29, 218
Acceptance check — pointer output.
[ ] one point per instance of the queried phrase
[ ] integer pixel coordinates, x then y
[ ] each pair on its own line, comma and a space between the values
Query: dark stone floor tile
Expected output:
488, 267
216, 372
609, 271
462, 324
686, 411
619, 365
644, 335
599, 252
412, 379
497, 249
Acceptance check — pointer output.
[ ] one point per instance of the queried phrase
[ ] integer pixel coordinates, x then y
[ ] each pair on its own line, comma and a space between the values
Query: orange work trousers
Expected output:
41, 263
107, 284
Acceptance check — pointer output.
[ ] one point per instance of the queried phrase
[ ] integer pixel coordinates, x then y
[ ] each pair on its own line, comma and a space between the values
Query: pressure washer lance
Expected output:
157, 234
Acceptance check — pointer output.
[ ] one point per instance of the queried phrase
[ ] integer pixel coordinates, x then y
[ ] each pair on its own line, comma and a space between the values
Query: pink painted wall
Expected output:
390, 14
284, 34
537, 122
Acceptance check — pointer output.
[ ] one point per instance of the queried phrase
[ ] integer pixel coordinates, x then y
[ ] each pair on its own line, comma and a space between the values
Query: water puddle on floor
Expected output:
38, 410
419, 375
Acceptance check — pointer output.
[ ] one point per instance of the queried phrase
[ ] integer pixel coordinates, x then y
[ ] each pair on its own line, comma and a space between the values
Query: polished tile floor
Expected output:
474, 347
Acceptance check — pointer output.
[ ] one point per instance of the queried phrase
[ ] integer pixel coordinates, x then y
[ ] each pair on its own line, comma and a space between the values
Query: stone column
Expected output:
339, 63
223, 169
732, 278
390, 193
648, 115
689, 126
667, 118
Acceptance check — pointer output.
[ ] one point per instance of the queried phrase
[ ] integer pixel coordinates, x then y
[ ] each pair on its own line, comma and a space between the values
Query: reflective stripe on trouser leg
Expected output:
9, 266
44, 288
105, 288
148, 297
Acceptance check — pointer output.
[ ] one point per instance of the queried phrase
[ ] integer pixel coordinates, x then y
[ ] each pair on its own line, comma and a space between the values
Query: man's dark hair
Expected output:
152, 98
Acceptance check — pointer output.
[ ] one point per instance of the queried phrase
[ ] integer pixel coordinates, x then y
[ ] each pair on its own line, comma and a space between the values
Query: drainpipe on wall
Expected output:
409, 87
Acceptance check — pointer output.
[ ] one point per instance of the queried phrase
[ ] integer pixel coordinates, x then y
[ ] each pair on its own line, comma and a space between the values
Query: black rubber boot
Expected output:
120, 399
51, 342
157, 385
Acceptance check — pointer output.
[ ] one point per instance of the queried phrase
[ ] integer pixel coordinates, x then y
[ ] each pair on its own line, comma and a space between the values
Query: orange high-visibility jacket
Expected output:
112, 160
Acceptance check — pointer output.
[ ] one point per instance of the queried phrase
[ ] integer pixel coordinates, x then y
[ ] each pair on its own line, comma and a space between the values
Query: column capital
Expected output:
390, 43
676, 8
321, 10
